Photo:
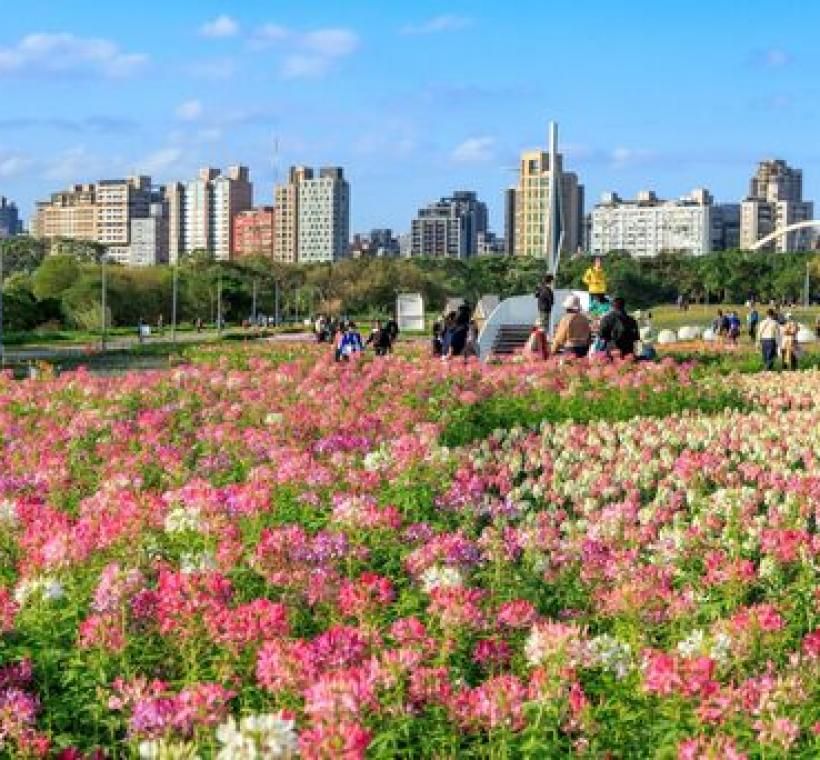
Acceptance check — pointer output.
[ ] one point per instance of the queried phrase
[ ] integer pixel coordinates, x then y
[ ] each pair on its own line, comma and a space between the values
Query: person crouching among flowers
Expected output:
574, 332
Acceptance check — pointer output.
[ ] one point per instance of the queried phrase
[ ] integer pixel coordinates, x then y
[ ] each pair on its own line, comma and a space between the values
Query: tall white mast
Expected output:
552, 237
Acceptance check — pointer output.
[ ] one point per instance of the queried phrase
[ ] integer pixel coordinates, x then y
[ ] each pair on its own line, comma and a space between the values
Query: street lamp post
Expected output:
103, 306
219, 304
253, 307
276, 304
174, 305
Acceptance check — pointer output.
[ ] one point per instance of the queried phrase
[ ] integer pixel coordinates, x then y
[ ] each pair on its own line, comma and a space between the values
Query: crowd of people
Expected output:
344, 336
776, 333
456, 335
604, 329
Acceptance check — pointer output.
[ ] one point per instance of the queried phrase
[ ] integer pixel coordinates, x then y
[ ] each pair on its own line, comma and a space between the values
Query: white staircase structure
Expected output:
510, 323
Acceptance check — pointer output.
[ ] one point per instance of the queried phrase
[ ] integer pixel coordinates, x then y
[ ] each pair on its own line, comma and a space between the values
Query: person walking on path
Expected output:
546, 300
789, 346
595, 280
574, 333
619, 330
753, 320
769, 334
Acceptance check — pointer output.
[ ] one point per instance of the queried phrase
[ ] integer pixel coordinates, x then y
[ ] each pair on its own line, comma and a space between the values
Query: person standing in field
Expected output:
546, 299
573, 334
789, 348
733, 331
595, 280
753, 320
471, 346
392, 329
769, 334
619, 330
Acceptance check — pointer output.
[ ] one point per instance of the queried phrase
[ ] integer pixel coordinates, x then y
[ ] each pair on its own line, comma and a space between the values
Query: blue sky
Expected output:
413, 99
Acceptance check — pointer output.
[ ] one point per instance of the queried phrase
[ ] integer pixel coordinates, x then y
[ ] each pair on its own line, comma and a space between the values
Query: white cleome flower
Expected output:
692, 644
181, 520
440, 577
257, 736
8, 512
162, 749
197, 563
47, 588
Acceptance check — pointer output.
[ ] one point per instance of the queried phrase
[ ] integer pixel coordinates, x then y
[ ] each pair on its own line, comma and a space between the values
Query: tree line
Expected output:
63, 290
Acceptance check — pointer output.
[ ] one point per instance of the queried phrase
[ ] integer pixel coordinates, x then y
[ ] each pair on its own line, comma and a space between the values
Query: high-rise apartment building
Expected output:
509, 220
175, 196
10, 223
648, 225
232, 193
323, 227
253, 232
149, 235
775, 201
118, 202
449, 227
286, 205
532, 205
69, 214
202, 211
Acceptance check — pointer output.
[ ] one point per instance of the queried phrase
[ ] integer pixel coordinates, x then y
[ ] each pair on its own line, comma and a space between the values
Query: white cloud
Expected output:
268, 33
14, 164
474, 150
331, 43
300, 66
621, 157
447, 22
190, 110
74, 165
159, 161
64, 53
313, 53
221, 26
210, 134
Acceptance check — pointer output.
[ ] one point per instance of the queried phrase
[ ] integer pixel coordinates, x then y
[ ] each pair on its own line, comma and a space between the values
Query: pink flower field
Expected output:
265, 554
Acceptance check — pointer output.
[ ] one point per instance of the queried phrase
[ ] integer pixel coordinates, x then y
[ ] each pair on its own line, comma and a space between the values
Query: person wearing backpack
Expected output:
546, 298
619, 330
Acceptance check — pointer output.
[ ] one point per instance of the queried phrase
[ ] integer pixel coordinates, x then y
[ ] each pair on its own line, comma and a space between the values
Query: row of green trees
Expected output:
64, 289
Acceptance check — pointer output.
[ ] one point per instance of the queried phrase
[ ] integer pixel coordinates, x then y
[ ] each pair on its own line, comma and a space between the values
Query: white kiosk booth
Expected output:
410, 312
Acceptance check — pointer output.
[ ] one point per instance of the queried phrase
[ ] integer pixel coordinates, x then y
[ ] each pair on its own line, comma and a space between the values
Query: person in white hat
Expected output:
574, 332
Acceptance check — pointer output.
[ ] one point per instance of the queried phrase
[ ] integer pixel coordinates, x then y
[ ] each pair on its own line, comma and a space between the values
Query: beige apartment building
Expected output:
70, 214
286, 203
532, 204
775, 201
101, 213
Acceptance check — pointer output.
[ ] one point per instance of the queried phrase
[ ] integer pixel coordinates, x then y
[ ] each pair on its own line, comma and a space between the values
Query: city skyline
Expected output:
413, 102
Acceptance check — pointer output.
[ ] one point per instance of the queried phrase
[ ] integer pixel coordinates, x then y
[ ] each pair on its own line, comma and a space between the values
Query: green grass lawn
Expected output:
671, 318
